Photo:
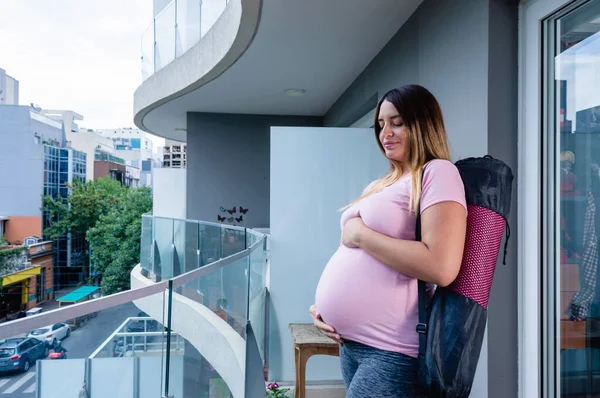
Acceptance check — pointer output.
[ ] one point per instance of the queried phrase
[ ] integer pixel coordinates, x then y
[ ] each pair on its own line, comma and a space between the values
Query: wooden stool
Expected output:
308, 341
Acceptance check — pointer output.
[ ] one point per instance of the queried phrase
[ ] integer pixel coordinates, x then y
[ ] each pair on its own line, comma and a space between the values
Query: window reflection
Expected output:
576, 107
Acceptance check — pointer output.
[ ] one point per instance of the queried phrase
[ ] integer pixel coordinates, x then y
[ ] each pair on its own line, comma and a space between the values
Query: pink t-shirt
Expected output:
365, 300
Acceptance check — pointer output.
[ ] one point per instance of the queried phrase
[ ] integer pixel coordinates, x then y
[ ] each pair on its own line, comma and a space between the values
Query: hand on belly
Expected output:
356, 291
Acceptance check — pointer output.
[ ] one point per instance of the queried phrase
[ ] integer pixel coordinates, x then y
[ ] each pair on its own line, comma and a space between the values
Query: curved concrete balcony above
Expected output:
188, 44
260, 49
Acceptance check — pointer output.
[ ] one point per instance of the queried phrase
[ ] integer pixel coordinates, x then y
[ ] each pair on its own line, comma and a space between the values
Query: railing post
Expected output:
136, 377
266, 325
38, 379
87, 379
248, 268
254, 383
168, 356
153, 243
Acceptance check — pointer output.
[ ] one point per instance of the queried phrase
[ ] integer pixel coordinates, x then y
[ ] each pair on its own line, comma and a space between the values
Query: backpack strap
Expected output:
422, 325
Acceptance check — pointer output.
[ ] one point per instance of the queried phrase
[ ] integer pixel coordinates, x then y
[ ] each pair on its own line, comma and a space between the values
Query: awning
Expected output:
79, 294
19, 276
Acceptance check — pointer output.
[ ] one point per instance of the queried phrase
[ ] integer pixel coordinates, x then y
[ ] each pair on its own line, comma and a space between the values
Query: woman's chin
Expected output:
392, 155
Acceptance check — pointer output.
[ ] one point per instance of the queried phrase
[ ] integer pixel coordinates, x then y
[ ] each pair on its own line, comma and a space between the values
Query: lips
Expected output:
389, 145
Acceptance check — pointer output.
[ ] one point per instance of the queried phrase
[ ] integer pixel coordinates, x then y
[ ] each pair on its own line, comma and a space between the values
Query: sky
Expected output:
80, 55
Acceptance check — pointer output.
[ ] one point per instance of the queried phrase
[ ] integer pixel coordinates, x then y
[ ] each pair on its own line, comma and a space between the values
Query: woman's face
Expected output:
394, 134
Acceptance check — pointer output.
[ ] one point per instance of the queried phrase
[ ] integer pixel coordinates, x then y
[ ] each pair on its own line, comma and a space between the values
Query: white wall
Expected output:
169, 193
314, 172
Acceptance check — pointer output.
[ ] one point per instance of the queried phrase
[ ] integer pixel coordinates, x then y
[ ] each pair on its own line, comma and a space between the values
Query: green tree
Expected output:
80, 211
115, 239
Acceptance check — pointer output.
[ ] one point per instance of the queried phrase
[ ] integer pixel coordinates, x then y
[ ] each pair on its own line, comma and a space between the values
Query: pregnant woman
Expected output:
367, 297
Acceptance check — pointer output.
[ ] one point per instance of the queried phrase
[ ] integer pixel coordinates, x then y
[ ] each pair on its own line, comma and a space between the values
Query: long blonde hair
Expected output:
427, 138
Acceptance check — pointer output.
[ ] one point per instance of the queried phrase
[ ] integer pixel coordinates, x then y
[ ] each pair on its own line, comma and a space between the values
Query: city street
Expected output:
81, 344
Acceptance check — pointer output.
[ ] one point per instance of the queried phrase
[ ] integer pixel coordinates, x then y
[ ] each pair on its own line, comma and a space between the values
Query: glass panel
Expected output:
62, 378
148, 52
191, 246
120, 372
258, 297
210, 13
163, 253
165, 36
105, 345
234, 241
188, 24
225, 291
179, 240
176, 29
575, 118
146, 243
210, 243
211, 308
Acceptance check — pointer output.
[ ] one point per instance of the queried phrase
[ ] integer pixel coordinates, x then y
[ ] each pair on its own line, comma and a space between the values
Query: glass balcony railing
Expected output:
176, 29
193, 324
107, 157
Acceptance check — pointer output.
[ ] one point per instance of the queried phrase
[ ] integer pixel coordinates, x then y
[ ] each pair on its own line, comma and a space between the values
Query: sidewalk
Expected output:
53, 304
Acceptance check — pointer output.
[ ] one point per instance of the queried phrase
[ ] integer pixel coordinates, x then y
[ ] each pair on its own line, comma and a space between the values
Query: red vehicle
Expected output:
60, 352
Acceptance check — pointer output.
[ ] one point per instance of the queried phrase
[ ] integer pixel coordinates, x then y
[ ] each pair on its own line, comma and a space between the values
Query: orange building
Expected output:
17, 228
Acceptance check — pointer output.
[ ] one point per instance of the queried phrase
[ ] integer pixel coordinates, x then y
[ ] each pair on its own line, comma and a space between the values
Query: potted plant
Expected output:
273, 391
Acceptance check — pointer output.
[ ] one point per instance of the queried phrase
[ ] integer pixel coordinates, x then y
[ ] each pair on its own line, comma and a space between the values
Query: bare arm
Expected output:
436, 259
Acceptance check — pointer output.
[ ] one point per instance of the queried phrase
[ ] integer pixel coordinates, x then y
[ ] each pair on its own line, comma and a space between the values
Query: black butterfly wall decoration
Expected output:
232, 211
221, 219
239, 219
243, 211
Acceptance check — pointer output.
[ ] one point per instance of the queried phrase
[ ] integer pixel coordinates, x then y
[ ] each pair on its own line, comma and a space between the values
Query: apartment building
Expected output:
129, 143
82, 139
174, 155
36, 162
9, 89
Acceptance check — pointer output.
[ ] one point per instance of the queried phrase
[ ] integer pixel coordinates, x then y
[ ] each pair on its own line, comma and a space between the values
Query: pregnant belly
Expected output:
363, 299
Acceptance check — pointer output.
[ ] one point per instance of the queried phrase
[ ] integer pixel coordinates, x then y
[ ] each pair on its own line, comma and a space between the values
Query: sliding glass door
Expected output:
571, 200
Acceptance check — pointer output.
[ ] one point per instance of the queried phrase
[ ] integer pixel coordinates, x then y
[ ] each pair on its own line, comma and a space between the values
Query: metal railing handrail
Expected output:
210, 224
24, 325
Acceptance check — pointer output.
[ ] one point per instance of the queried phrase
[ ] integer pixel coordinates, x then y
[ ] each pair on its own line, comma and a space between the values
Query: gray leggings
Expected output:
370, 372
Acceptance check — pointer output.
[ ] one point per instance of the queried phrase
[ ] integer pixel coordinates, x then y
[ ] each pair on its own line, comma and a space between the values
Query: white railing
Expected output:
24, 325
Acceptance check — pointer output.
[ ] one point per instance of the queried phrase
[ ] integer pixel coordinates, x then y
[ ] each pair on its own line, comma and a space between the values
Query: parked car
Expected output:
151, 324
52, 334
21, 353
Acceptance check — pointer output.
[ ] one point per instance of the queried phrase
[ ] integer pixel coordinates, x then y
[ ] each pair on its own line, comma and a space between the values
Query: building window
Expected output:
571, 201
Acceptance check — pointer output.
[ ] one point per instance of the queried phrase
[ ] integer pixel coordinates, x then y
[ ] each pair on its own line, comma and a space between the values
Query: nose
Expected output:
387, 131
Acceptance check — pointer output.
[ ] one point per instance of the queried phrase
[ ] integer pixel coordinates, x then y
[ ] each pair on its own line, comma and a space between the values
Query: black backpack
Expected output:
452, 325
